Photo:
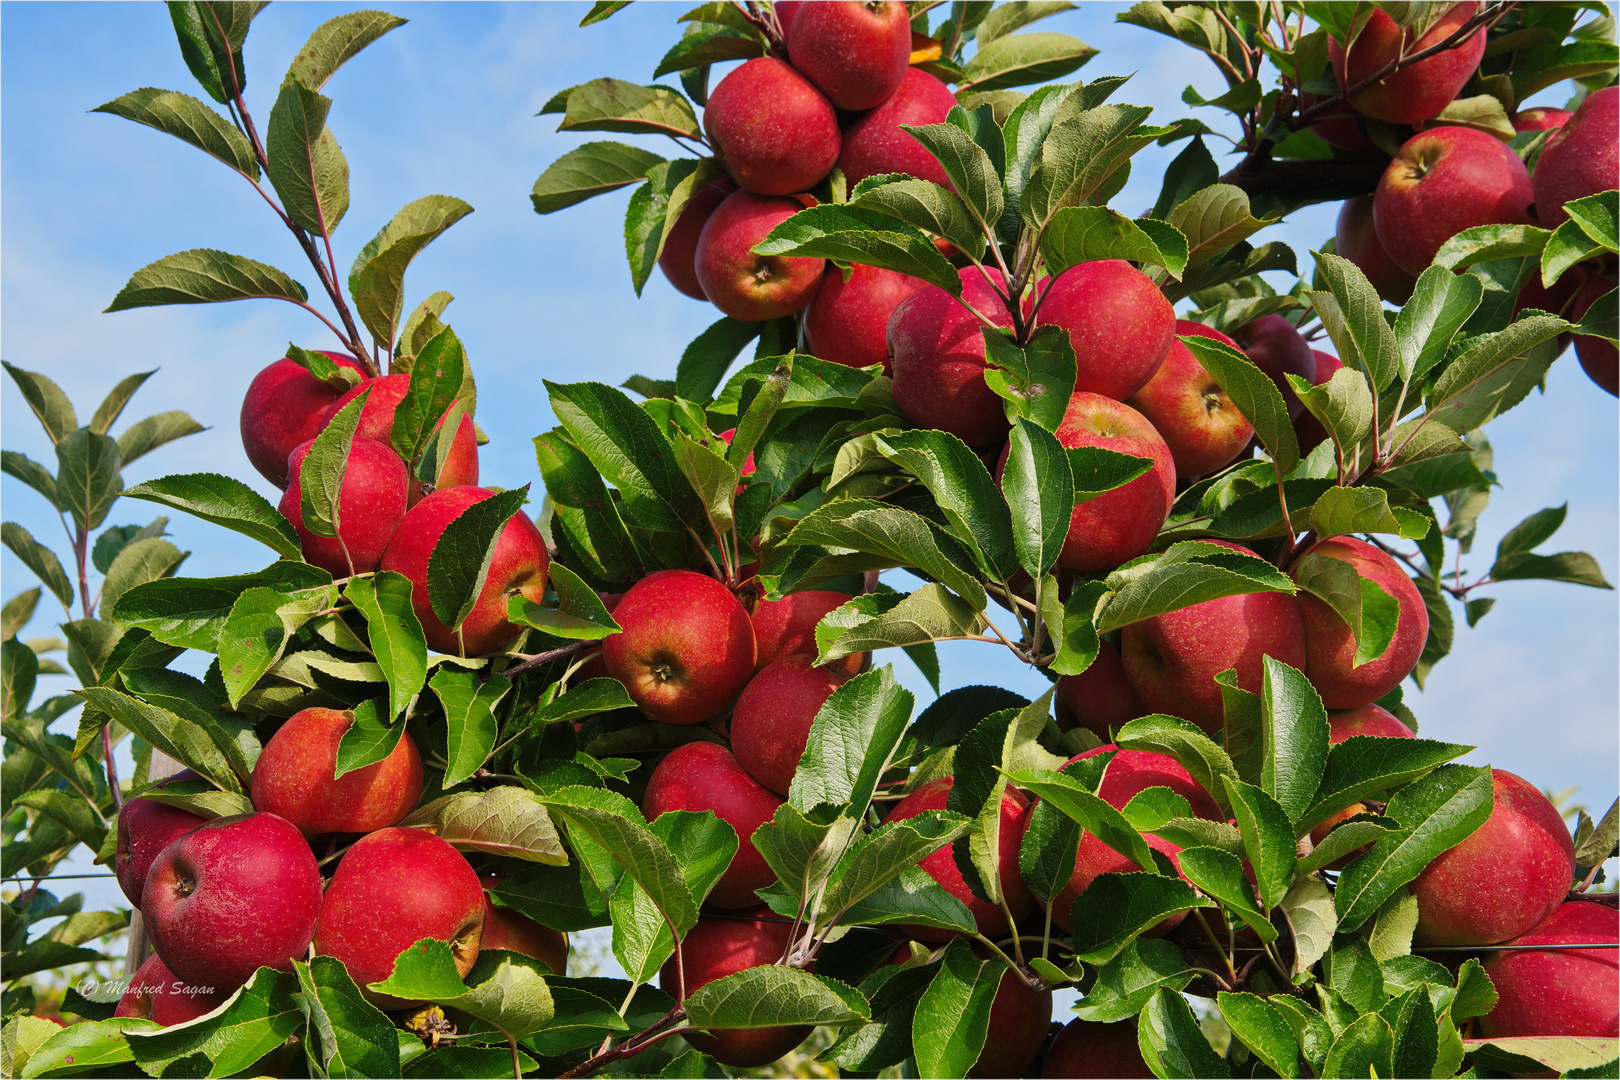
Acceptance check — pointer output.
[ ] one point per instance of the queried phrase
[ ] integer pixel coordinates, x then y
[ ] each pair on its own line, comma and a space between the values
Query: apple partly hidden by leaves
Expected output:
514, 931
677, 260
519, 565
383, 395
293, 778
702, 776
285, 406
370, 502
1581, 159
788, 626
392, 888
155, 994
1189, 409
743, 284
721, 945
1278, 350
1559, 991
1308, 430
1086, 1049
874, 144
941, 864
771, 722
1100, 698
1372, 720
1121, 524
1540, 118
848, 321
1356, 238
1419, 91
1019, 1017
231, 896
1330, 645
1119, 324
1505, 878
937, 350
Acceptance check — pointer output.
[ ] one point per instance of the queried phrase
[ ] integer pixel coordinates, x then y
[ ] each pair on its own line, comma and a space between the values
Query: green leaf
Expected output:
1294, 731
615, 105
1441, 303
190, 612
704, 362
601, 816
1366, 1046
256, 632
628, 449
336, 42
1035, 381
590, 170
1576, 567
1214, 219
1115, 909
1263, 1028
376, 280
140, 561
31, 473
18, 610
1080, 234
1255, 395
371, 737
459, 564
1001, 21
1024, 59
320, 478
225, 501
205, 276
973, 173
50, 405
508, 821
96, 1044
306, 167
948, 1029
773, 996
854, 735
144, 436
923, 204
1308, 907
469, 701
1363, 767
1188, 573
1219, 874
88, 481
1097, 817
1435, 813
1196, 751
39, 559
1268, 839
1370, 612
1356, 322
509, 993
1484, 380
849, 233
654, 209
1038, 481
892, 537
876, 858
211, 37
1566, 1054
1171, 1042
190, 121
709, 44
384, 600
353, 1035
1084, 149
876, 621
1599, 217
1125, 984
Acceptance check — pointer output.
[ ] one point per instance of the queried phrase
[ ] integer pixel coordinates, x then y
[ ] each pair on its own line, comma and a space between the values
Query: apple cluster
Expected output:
222, 897
1446, 178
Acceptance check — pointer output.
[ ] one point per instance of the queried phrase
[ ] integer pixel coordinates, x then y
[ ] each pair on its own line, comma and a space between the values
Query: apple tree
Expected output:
658, 700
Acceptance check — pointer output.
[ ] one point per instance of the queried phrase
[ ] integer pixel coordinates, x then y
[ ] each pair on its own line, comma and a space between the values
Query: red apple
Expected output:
1019, 1017
1099, 698
941, 864
1581, 159
855, 51
393, 888
519, 566
516, 932
1356, 238
285, 405
1131, 772
1504, 879
377, 422
371, 501
1598, 356
848, 321
1337, 126
1540, 119
1196, 418
1120, 524
874, 144
1559, 991
1330, 647
687, 647
1086, 1049
1118, 321
1172, 659
293, 778
1094, 857
1278, 350
937, 347
785, 11
702, 776
155, 994
771, 723
1445, 180
775, 132
231, 896
1308, 430
721, 945
737, 281
146, 827
680, 246
787, 627
1415, 93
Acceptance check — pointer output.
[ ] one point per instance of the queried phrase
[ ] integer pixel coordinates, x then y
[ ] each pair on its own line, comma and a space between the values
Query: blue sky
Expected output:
446, 104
